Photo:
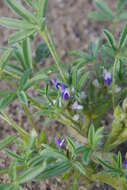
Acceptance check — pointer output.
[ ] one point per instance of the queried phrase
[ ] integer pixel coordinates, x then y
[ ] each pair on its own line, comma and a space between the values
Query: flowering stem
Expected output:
113, 81
47, 37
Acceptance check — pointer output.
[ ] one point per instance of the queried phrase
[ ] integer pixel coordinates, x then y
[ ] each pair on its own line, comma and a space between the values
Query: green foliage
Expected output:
77, 95
104, 13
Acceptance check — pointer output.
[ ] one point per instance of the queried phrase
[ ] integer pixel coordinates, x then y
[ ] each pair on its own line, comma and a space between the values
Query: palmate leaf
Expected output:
104, 8
17, 7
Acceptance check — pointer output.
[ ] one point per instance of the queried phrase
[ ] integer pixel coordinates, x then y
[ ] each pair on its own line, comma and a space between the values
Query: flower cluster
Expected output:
63, 88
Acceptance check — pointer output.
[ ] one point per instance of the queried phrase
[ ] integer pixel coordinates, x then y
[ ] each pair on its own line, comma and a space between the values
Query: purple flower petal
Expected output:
107, 77
55, 83
65, 93
60, 142
125, 164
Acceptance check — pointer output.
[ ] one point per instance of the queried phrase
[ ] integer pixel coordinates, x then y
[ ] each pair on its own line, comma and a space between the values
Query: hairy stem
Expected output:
113, 81
48, 39
30, 117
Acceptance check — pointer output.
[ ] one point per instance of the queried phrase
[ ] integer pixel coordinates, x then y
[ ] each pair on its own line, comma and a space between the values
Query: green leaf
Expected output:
80, 167
55, 169
24, 79
19, 56
5, 57
27, 51
123, 38
21, 11
97, 16
83, 80
123, 16
7, 141
98, 137
75, 77
121, 6
110, 39
23, 97
38, 77
104, 8
14, 69
14, 155
87, 155
119, 160
7, 100
31, 173
15, 23
7, 187
91, 135
71, 146
21, 35
12, 171
43, 8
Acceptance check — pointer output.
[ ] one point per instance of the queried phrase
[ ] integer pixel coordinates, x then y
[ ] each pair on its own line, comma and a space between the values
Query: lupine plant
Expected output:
79, 95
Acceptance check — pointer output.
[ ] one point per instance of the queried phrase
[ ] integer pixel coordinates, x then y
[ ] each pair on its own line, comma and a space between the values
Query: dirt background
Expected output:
68, 21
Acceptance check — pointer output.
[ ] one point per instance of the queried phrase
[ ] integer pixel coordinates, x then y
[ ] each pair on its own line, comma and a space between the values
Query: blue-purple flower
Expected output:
125, 164
61, 143
55, 83
65, 93
107, 77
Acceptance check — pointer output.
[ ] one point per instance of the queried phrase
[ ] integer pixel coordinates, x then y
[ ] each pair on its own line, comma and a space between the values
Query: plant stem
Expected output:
115, 24
113, 81
48, 39
29, 117
11, 122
